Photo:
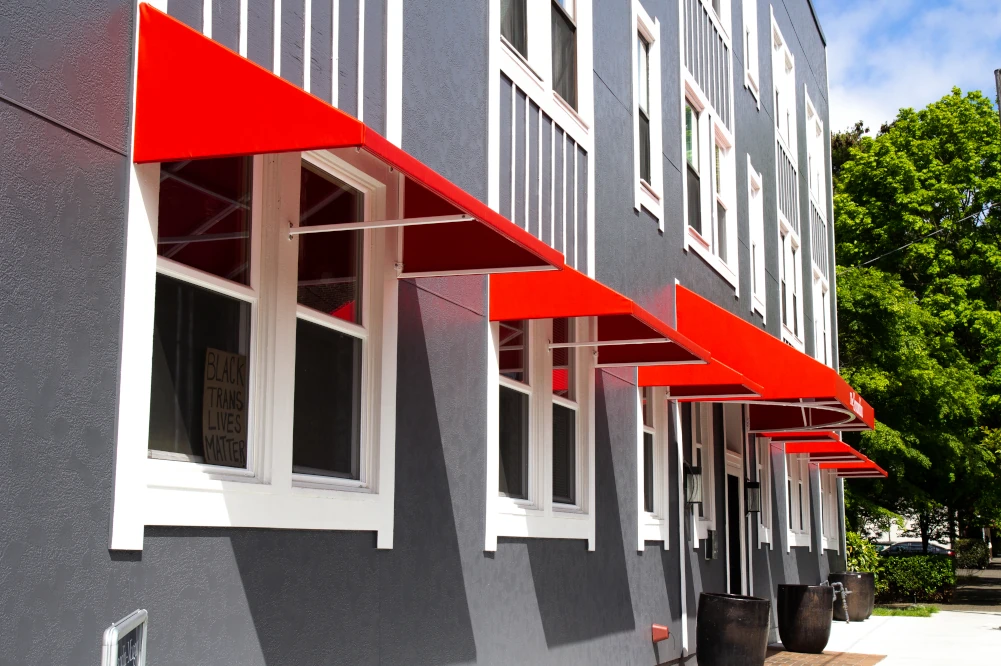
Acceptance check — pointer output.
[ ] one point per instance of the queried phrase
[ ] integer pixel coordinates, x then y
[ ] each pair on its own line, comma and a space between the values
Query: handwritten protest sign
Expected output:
224, 409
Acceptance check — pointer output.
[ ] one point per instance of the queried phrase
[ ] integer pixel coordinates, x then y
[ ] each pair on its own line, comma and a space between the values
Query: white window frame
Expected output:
655, 525
784, 83
722, 17
538, 516
756, 222
534, 74
816, 163
798, 489
710, 127
830, 514
763, 466
648, 195
823, 345
707, 521
791, 248
751, 50
156, 491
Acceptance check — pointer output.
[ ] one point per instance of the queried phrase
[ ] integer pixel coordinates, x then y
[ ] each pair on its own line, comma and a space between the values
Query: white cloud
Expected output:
888, 54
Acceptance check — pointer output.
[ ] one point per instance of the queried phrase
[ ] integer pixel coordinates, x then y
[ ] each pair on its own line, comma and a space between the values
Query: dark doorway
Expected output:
733, 518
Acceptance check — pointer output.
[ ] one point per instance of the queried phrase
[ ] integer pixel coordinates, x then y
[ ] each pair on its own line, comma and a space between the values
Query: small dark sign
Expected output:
224, 409
125, 641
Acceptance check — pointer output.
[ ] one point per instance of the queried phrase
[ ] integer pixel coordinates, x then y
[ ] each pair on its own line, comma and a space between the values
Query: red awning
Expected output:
197, 99
800, 393
627, 334
712, 381
857, 470
824, 436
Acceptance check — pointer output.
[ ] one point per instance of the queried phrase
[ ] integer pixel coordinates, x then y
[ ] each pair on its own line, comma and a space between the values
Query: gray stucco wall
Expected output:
246, 596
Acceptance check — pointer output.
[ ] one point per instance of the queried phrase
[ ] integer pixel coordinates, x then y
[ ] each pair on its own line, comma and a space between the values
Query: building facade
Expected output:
296, 445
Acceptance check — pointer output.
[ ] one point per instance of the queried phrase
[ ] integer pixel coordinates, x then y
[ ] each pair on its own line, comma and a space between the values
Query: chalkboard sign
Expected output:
224, 409
125, 641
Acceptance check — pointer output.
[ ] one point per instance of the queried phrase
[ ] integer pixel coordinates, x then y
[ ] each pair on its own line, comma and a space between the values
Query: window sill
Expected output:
752, 85
572, 112
758, 305
764, 536
653, 528
539, 525
792, 338
800, 540
649, 199
695, 241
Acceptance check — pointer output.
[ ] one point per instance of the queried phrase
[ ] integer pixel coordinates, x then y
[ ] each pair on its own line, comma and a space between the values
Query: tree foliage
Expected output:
918, 228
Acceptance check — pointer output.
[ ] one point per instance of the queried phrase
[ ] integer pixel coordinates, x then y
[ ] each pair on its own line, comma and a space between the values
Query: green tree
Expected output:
918, 227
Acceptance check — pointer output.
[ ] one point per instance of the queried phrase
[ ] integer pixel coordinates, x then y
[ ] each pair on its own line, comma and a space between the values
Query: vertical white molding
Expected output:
135, 362
277, 34
514, 144
493, 106
563, 190
388, 248
576, 208
307, 42
682, 543
361, 59
394, 71
528, 160
243, 28
207, 18
335, 74
493, 427
552, 185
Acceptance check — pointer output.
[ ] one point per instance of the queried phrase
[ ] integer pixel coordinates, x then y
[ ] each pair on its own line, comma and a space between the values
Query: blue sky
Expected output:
887, 54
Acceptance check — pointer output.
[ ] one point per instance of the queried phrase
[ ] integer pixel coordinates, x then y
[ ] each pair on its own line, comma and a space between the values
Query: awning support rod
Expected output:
378, 224
610, 343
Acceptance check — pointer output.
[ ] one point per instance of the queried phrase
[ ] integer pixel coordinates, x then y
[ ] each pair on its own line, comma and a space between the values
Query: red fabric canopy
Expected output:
800, 393
197, 99
712, 381
861, 469
569, 293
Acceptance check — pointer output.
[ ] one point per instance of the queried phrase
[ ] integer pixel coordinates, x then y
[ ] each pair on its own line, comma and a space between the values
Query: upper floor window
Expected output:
816, 157
784, 83
790, 282
830, 522
514, 25
751, 68
544, 450
648, 118
822, 319
564, 24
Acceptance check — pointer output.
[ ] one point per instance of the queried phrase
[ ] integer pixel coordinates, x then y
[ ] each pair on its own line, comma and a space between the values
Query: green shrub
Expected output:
919, 578
972, 554
862, 557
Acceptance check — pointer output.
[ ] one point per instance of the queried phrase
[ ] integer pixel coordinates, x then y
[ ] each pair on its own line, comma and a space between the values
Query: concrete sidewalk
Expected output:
946, 637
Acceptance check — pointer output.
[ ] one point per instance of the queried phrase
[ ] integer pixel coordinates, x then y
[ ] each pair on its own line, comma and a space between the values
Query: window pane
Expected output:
204, 215
514, 350
564, 56
643, 72
692, 137
564, 455
513, 443
645, 165
719, 170
648, 472
514, 26
721, 239
330, 262
694, 200
563, 359
647, 397
326, 429
199, 392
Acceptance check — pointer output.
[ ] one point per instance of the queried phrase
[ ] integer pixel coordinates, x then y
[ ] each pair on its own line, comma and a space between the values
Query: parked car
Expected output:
907, 548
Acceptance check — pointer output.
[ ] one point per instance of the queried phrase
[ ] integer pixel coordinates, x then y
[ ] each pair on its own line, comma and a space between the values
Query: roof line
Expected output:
816, 20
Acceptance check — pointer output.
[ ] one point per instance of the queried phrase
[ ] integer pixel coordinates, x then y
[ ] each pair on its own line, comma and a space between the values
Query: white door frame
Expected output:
735, 467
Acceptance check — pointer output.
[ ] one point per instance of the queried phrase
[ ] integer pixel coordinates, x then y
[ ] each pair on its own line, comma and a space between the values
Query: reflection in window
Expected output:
643, 86
192, 402
513, 443
514, 24
564, 458
565, 51
326, 431
514, 350
204, 215
330, 263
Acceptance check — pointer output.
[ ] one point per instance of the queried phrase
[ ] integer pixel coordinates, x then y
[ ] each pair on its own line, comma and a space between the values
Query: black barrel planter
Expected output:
805, 615
731, 629
862, 598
